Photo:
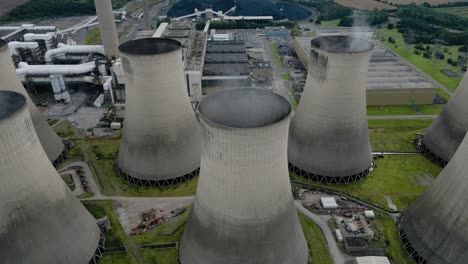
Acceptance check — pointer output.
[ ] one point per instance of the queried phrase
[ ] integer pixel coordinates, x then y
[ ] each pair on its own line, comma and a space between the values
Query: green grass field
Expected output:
396, 135
404, 110
93, 37
318, 247
429, 66
274, 49
330, 23
457, 10
396, 176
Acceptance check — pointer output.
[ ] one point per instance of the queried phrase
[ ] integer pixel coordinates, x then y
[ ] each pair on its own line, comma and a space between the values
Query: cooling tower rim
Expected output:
10, 103
283, 113
150, 46
361, 45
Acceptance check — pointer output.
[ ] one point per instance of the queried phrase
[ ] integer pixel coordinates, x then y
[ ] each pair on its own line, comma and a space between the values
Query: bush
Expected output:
427, 55
318, 22
390, 26
417, 52
463, 49
419, 47
391, 40
439, 55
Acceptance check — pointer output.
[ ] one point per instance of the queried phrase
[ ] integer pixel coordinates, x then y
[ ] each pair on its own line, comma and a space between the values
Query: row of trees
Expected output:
328, 10
433, 17
373, 18
57, 8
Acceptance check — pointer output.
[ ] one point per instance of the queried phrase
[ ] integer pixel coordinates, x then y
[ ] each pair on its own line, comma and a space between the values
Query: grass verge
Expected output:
93, 37
396, 176
404, 110
396, 135
319, 252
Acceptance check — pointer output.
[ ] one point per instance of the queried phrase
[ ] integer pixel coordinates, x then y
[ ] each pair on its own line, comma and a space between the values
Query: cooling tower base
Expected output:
63, 156
100, 249
328, 179
409, 248
430, 155
158, 183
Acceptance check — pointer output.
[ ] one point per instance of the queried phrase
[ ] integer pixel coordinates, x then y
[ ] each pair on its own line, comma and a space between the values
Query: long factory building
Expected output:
390, 82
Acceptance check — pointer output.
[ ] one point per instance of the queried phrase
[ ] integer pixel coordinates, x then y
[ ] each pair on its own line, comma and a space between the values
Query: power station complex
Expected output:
328, 139
40, 220
243, 210
243, 143
446, 133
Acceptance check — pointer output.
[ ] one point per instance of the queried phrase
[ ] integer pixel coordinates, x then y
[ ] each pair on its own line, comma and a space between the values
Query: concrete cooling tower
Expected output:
328, 138
243, 210
161, 139
446, 133
435, 229
51, 143
40, 220
110, 39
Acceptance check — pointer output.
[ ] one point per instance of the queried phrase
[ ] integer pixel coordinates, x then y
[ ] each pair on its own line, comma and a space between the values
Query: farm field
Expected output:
456, 10
365, 4
7, 5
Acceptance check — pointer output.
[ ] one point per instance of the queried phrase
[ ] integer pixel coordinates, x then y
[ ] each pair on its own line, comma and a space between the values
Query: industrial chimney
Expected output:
161, 139
243, 210
51, 143
146, 15
434, 229
40, 220
328, 138
446, 133
110, 39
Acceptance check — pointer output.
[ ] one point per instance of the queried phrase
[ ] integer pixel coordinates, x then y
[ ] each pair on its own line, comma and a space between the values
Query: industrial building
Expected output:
389, 81
50, 141
434, 229
161, 141
329, 138
243, 210
446, 133
41, 221
226, 66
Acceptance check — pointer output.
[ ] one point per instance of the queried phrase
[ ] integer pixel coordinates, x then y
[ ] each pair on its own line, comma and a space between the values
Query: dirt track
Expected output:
7, 5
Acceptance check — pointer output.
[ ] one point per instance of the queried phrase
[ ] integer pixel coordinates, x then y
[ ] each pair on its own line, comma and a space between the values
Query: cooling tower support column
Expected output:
161, 139
40, 220
328, 138
51, 143
446, 133
243, 211
110, 38
434, 229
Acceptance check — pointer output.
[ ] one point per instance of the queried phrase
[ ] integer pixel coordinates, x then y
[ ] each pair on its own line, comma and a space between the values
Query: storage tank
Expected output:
51, 143
161, 138
40, 220
446, 133
243, 210
329, 138
110, 38
434, 229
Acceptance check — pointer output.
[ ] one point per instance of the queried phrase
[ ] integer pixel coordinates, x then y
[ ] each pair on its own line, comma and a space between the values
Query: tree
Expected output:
346, 22
390, 26
391, 40
318, 22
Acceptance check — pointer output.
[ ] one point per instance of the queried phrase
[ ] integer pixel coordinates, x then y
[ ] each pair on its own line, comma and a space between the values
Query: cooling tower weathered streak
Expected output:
109, 36
40, 220
435, 228
243, 210
51, 143
444, 136
328, 137
161, 140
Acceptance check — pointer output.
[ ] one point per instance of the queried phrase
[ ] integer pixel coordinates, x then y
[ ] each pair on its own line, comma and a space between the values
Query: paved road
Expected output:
278, 85
402, 117
337, 256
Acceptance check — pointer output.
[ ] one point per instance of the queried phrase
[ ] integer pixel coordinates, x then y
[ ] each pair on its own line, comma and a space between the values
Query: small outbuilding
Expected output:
328, 203
369, 214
